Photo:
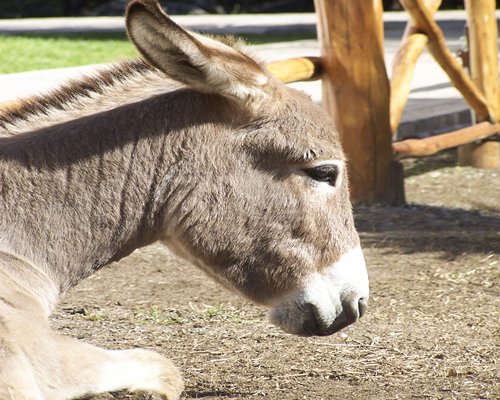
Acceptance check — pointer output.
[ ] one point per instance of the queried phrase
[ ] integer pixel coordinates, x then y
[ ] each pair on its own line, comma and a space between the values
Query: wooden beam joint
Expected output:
439, 50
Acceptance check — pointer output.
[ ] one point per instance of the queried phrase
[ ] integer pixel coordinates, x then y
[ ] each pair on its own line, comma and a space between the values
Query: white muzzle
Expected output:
329, 301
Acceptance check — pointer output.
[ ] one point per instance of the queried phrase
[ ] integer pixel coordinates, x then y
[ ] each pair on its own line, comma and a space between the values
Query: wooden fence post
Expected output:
483, 35
356, 94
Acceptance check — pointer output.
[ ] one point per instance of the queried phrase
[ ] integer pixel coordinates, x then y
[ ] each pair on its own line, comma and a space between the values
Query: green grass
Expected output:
154, 315
29, 52
32, 52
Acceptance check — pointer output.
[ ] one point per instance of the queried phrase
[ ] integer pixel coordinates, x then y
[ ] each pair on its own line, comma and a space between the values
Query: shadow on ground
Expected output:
422, 228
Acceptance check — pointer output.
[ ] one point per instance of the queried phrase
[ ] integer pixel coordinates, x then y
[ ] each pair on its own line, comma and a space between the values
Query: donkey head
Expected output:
261, 201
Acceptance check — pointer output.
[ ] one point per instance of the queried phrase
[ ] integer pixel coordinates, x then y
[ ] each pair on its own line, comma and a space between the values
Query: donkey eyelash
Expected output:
324, 173
329, 172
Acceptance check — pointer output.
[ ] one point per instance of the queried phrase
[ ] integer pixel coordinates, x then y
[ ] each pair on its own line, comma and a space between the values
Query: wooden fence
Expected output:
357, 89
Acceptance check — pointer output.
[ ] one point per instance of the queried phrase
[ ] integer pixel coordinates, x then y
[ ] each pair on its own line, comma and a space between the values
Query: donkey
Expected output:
197, 147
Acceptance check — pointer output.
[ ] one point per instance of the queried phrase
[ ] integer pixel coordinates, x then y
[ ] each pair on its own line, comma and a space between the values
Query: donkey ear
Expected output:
195, 60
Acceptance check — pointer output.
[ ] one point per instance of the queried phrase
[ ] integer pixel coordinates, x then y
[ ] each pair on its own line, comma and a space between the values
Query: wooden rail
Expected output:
431, 145
441, 53
297, 69
403, 65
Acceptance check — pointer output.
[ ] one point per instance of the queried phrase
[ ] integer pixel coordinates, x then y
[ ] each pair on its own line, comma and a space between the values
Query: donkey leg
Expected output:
90, 370
17, 381
37, 363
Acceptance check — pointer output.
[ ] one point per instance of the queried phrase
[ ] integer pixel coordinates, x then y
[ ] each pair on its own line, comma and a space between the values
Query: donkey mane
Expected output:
85, 86
130, 81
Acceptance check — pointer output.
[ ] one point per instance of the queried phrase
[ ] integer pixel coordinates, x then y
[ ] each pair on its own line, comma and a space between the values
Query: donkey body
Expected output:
223, 164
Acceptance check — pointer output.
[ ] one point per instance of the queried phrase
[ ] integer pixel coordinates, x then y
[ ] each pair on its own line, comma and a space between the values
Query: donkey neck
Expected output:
79, 195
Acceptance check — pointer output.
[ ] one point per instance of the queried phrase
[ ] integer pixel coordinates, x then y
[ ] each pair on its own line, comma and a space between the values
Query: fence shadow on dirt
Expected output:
422, 228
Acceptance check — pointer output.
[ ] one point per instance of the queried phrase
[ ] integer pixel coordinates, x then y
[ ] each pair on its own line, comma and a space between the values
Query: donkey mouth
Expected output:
307, 320
329, 302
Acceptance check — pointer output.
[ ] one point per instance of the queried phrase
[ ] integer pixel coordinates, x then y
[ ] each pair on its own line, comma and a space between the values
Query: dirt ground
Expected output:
431, 330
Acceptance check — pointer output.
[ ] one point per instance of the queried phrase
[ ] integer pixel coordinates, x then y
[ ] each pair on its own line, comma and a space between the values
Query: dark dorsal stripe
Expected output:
74, 89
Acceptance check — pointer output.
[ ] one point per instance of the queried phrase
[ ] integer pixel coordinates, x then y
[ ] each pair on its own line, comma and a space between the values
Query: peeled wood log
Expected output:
431, 145
403, 66
356, 90
483, 50
439, 50
296, 69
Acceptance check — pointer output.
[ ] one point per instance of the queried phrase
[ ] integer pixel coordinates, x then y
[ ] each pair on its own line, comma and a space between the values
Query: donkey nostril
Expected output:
362, 306
350, 312
356, 309
315, 324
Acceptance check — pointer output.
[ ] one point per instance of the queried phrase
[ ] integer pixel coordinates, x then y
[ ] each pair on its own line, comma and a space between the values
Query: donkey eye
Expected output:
324, 173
